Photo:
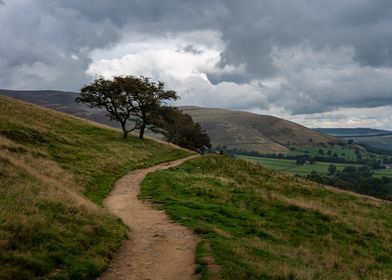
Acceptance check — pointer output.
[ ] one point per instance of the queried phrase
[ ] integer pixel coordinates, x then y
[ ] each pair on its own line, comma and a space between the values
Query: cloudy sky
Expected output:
320, 63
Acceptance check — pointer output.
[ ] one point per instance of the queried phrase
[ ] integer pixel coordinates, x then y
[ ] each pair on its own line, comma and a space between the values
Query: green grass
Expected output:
262, 224
290, 166
55, 171
383, 172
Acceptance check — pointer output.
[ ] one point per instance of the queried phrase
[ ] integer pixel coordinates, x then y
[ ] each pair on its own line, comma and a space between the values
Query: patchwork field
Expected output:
290, 166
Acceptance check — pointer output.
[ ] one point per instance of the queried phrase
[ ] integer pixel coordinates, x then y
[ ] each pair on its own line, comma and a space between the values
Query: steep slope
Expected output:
54, 172
253, 132
257, 223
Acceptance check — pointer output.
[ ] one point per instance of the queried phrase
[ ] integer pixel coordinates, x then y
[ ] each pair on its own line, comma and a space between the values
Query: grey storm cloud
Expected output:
47, 44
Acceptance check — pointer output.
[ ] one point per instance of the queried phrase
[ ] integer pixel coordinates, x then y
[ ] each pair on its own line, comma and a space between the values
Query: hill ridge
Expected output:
269, 133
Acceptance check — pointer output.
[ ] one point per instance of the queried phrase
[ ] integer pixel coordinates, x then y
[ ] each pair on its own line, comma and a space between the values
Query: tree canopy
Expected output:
128, 98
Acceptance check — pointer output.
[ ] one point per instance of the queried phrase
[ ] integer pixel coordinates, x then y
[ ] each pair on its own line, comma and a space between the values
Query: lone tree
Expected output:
128, 98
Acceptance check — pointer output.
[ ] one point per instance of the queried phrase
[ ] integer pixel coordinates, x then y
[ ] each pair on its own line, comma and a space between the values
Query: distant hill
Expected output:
253, 132
376, 140
355, 132
234, 129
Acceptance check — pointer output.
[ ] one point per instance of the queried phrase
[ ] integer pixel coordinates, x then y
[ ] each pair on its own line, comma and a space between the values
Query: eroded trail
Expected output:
158, 248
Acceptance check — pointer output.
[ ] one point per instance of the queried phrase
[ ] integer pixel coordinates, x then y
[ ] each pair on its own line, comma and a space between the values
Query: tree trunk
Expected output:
141, 132
124, 129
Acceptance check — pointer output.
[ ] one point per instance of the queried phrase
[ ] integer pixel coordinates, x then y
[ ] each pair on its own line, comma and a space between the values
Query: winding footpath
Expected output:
158, 248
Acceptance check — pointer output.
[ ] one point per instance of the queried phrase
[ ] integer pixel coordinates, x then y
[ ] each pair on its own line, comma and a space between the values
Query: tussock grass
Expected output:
55, 171
262, 224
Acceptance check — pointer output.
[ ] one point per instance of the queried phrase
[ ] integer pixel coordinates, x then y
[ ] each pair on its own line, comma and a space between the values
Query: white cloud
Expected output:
183, 62
174, 56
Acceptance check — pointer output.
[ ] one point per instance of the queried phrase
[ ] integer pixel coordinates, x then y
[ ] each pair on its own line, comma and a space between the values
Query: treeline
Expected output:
356, 179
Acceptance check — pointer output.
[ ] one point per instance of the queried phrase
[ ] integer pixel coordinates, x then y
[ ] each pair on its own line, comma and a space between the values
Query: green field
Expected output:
256, 223
55, 171
383, 172
347, 152
290, 166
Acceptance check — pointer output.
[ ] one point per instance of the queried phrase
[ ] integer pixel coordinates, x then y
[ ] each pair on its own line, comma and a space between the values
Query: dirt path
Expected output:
158, 248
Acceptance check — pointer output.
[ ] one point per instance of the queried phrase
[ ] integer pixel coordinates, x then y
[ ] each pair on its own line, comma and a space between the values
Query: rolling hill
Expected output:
253, 132
55, 170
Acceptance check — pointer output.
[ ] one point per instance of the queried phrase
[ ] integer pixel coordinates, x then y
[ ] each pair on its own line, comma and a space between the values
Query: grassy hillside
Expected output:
54, 173
257, 223
253, 132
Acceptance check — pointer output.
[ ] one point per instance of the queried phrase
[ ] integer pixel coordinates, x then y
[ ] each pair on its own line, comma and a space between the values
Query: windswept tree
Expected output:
128, 98
179, 128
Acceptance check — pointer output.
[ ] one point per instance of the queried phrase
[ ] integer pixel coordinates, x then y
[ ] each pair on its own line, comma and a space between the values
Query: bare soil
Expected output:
157, 248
